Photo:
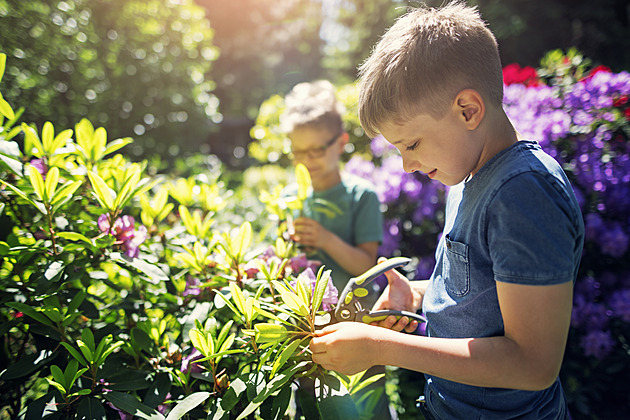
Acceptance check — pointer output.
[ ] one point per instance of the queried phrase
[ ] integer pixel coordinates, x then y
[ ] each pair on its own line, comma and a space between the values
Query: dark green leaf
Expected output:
129, 404
159, 389
187, 404
90, 409
338, 407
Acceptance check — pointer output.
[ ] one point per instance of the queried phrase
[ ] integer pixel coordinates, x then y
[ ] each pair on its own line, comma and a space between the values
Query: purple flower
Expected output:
620, 304
192, 286
123, 230
331, 293
188, 365
40, 166
598, 344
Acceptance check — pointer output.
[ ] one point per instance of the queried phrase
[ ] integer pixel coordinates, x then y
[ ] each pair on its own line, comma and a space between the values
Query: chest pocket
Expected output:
456, 268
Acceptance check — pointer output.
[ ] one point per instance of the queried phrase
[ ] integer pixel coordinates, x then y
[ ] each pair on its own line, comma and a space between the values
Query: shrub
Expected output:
129, 295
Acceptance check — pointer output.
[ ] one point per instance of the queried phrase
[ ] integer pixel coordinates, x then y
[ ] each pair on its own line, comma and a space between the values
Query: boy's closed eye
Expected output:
413, 146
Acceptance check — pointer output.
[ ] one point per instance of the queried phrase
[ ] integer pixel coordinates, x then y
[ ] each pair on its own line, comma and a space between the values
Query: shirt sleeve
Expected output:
533, 231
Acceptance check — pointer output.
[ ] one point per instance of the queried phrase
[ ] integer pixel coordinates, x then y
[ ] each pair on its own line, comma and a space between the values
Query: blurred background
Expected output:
188, 76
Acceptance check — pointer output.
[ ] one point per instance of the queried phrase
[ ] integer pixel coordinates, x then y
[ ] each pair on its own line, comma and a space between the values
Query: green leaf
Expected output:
30, 312
338, 407
270, 333
99, 140
37, 182
3, 64
65, 193
31, 140
201, 342
59, 377
125, 192
187, 404
233, 394
117, 144
294, 303
48, 134
286, 353
38, 206
303, 179
88, 338
104, 194
224, 332
75, 353
52, 179
238, 297
91, 409
5, 108
276, 383
128, 403
320, 288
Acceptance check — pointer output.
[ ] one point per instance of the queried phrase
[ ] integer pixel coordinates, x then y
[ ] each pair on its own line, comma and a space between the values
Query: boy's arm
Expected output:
528, 356
354, 259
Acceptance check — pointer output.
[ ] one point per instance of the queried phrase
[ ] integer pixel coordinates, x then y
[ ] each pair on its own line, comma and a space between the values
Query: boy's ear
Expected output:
470, 105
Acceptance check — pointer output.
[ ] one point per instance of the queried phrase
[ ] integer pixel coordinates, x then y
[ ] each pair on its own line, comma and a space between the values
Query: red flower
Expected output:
598, 69
620, 101
514, 73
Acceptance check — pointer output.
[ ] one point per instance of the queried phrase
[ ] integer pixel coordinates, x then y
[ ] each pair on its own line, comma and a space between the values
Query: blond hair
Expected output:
313, 105
422, 62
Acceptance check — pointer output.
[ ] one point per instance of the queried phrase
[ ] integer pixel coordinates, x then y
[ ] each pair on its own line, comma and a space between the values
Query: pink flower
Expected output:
331, 293
123, 230
40, 166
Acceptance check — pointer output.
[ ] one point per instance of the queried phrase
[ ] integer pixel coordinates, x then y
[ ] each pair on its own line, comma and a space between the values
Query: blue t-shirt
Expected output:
358, 220
516, 221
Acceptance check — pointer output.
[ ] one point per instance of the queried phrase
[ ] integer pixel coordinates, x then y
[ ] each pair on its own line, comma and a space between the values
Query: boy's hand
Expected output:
309, 233
345, 347
401, 295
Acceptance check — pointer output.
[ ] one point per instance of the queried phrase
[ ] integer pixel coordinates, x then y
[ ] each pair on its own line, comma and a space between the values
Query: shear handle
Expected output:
376, 316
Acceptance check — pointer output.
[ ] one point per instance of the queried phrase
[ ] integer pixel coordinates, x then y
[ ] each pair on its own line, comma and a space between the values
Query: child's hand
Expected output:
309, 233
345, 347
400, 294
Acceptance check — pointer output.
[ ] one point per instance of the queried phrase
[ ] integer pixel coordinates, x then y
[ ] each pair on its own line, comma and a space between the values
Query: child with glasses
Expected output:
348, 242
498, 304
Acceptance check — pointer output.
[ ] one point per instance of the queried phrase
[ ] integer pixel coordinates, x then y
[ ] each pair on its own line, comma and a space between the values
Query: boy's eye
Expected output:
413, 146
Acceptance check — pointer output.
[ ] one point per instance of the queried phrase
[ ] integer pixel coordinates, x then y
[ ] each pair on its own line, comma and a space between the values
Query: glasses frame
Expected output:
316, 152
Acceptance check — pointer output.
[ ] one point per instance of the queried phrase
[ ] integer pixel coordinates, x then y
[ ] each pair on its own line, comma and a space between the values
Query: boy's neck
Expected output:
498, 134
327, 182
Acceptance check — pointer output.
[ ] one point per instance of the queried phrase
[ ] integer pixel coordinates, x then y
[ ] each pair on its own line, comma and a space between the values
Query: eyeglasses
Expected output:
315, 152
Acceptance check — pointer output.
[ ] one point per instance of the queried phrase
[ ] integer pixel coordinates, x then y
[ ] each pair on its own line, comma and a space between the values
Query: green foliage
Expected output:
138, 66
103, 316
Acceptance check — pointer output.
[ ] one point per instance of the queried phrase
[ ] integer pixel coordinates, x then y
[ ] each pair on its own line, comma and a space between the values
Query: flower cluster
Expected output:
331, 293
123, 229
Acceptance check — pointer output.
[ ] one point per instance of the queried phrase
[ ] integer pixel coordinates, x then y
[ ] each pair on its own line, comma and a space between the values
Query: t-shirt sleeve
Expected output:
368, 224
532, 231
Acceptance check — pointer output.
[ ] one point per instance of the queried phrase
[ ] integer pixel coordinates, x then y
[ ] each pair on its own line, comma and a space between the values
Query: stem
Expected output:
51, 230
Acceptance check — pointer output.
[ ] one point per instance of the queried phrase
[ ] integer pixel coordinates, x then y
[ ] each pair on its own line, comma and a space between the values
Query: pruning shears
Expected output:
349, 307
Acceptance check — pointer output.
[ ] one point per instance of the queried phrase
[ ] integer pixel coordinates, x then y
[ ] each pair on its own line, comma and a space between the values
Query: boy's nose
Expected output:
410, 165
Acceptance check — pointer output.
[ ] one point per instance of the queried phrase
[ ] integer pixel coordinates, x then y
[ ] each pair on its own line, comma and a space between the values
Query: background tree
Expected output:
266, 47
138, 66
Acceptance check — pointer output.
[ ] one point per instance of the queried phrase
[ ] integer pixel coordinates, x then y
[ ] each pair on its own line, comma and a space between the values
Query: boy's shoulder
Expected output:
356, 185
525, 156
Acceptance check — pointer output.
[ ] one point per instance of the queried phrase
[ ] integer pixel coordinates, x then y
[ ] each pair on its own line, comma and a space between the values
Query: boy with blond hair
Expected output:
499, 301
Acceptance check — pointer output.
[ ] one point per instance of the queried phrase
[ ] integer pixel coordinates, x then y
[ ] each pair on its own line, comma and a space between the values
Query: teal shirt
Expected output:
360, 220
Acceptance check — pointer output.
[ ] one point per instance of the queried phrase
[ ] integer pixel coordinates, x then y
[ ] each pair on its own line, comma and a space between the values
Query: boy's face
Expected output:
319, 150
443, 149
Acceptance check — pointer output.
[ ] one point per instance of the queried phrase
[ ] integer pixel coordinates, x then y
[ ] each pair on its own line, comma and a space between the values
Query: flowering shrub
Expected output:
124, 295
